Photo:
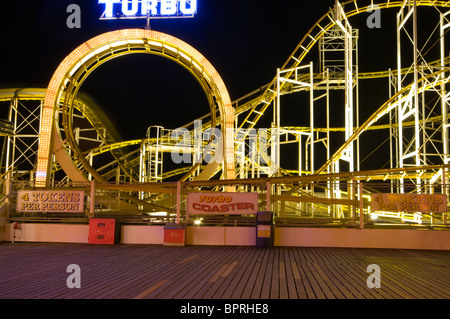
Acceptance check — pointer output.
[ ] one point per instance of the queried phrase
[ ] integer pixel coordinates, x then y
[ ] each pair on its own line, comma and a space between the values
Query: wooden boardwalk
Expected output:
39, 271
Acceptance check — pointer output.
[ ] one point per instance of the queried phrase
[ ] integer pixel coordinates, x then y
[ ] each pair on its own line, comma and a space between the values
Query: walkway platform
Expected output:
40, 270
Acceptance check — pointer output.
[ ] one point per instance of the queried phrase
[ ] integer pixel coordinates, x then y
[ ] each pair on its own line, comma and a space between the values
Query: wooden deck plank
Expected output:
256, 293
162, 268
344, 277
142, 270
400, 273
417, 266
390, 283
275, 276
197, 274
313, 290
145, 277
225, 281
303, 281
340, 289
347, 272
254, 272
284, 293
290, 276
312, 276
156, 268
241, 276
267, 278
392, 280
356, 267
315, 274
213, 280
34, 270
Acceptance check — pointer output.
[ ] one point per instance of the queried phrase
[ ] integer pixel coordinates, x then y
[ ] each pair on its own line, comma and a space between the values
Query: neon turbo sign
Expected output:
117, 9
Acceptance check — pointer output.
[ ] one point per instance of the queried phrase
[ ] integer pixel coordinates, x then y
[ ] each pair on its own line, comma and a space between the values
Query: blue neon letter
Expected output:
184, 7
133, 10
168, 7
108, 6
149, 5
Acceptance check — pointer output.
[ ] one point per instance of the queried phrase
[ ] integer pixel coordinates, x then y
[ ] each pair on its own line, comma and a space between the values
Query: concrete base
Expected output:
242, 236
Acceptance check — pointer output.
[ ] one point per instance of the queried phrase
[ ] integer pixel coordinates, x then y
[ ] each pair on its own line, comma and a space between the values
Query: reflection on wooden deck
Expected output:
37, 270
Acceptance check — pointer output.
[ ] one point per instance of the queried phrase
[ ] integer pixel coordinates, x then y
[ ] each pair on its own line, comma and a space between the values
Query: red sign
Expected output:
431, 203
222, 203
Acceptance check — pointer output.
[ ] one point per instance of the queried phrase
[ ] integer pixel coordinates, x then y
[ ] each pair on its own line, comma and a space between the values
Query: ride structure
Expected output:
321, 171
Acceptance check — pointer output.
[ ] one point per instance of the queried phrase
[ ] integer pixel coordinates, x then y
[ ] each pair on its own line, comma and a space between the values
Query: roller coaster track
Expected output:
257, 102
85, 106
109, 147
423, 85
260, 103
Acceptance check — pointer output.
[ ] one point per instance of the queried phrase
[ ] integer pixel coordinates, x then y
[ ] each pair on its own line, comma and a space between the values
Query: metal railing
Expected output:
329, 200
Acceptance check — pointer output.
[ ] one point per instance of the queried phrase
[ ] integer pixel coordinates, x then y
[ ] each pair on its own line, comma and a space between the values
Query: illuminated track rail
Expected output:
112, 144
257, 102
86, 108
249, 110
386, 107
83, 60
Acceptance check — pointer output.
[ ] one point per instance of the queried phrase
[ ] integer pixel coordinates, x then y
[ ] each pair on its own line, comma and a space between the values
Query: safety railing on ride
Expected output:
391, 198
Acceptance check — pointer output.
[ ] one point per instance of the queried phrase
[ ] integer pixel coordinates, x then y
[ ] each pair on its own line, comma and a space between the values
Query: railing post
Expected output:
92, 200
444, 191
8, 194
178, 201
361, 206
268, 196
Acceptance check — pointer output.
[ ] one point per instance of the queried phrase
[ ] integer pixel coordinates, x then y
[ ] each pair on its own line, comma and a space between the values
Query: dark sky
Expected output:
244, 40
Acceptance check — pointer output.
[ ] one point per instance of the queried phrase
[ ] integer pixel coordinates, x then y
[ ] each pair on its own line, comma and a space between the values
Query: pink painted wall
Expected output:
142, 234
367, 238
244, 236
64, 233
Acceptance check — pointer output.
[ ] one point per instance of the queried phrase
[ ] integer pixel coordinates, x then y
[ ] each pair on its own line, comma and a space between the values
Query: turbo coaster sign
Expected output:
133, 9
223, 203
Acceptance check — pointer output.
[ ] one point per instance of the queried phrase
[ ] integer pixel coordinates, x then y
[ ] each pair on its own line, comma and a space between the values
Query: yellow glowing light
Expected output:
154, 43
118, 43
114, 40
136, 41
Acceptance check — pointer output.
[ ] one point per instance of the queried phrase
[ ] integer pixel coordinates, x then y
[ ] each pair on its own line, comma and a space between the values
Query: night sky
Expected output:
244, 40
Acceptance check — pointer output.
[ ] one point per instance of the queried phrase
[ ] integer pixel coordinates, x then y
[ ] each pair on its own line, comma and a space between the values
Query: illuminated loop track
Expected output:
74, 69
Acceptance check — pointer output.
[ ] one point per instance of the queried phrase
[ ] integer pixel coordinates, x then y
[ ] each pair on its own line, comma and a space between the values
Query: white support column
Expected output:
444, 24
416, 93
311, 113
410, 107
445, 100
277, 122
343, 23
10, 142
300, 81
